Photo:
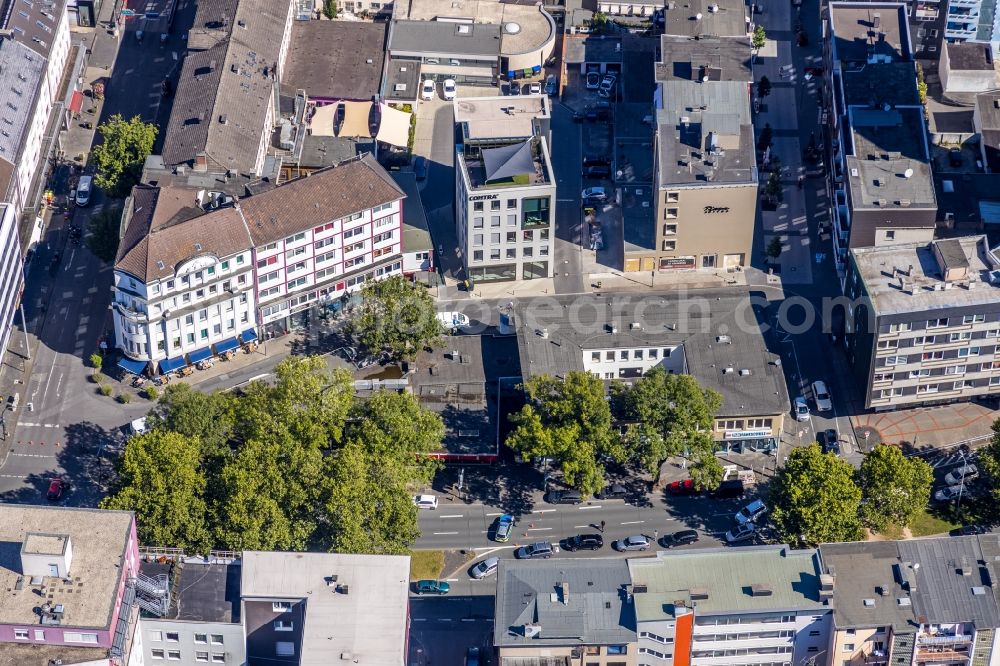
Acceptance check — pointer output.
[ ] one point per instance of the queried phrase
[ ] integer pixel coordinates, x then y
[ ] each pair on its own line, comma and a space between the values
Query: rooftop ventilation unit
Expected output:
724, 340
760, 590
745, 372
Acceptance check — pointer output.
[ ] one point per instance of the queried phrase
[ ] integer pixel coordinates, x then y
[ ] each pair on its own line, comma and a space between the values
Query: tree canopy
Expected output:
989, 463
300, 464
894, 488
118, 158
396, 316
814, 499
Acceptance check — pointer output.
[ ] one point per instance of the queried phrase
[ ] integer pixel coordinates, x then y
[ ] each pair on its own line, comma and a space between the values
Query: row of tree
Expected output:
573, 421
300, 464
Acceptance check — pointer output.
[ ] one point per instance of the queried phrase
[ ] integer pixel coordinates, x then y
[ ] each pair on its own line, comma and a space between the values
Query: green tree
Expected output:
707, 471
330, 9
102, 236
568, 420
772, 188
989, 464
921, 84
894, 488
774, 248
206, 417
96, 361
118, 158
814, 498
763, 87
396, 316
161, 480
759, 38
671, 414
599, 22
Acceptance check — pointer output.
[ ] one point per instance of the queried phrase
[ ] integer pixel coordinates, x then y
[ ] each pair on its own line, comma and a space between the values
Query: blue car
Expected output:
505, 525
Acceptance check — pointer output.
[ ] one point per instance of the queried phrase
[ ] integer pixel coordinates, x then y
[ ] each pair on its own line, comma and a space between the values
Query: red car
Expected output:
685, 487
56, 488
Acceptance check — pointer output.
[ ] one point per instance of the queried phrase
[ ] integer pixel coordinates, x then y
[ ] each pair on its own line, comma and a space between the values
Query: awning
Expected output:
356, 115
248, 335
226, 345
76, 103
135, 367
321, 123
506, 162
394, 127
171, 364
199, 355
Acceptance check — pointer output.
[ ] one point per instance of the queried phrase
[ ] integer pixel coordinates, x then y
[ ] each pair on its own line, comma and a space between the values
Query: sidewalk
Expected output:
928, 427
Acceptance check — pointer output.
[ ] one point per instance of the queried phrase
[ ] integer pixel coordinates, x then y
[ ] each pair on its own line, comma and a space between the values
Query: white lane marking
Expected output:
543, 511
420, 619
468, 619
31, 455
495, 514
453, 515
576, 527
443, 533
594, 506
539, 529
451, 580
633, 522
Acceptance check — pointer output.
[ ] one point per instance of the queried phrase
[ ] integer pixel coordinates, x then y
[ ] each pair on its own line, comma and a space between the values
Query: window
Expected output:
929, 388
890, 235
495, 204
511, 203
21, 634
968, 351
477, 255
670, 214
617, 649
932, 356
895, 360
848, 647
296, 238
937, 323
958, 337
172, 637
494, 239
283, 625
201, 656
204, 334
477, 239
595, 357
511, 237
512, 253
955, 370
281, 606
653, 353
922, 372
174, 655
963, 384
535, 212
512, 220
216, 639
218, 658
609, 356
495, 254
623, 354
637, 354
156, 636
882, 377
888, 344
673, 197
286, 648
528, 251
157, 654
891, 393
900, 328
477, 206
974, 319
201, 638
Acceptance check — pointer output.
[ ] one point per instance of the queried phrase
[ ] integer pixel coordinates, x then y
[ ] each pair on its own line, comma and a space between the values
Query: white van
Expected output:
426, 502
453, 320
83, 190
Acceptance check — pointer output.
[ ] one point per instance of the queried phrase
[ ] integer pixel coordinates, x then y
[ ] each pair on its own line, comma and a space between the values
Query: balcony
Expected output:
877, 658
139, 316
943, 639
942, 655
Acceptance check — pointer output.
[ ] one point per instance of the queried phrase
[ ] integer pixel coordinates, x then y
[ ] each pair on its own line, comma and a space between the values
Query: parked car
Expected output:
607, 87
551, 86
637, 542
597, 172
751, 512
729, 489
84, 190
535, 88
563, 497
505, 525
824, 402
594, 194
431, 587
614, 491
801, 409
449, 89
472, 656
593, 81
970, 530
681, 538
740, 533
534, 551
420, 167
684, 487
487, 567
829, 441
427, 89
961, 475
584, 542
426, 502
56, 489
948, 493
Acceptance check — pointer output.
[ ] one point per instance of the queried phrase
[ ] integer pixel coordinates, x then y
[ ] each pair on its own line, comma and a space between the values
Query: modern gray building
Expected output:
923, 326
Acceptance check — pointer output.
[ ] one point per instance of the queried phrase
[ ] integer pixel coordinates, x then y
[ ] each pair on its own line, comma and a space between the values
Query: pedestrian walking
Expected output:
656, 535
602, 527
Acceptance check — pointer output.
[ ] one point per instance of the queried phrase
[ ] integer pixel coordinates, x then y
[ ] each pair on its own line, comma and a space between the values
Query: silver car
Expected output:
960, 475
485, 568
637, 542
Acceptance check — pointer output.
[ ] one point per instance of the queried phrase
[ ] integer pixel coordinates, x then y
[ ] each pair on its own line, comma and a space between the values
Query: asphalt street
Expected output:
566, 161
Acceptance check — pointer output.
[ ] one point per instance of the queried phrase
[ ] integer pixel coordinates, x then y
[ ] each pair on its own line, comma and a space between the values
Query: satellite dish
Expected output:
512, 28
697, 17
908, 173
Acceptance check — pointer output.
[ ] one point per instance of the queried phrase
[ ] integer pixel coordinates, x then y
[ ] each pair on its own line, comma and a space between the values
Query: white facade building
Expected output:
11, 272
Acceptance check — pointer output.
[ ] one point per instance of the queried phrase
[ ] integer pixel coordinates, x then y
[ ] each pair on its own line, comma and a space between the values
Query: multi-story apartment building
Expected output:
565, 612
914, 603
756, 606
11, 272
227, 94
505, 188
923, 325
884, 188
712, 335
198, 271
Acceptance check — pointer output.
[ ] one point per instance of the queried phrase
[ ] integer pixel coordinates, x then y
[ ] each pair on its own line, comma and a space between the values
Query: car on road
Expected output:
420, 167
83, 190
472, 656
427, 89
505, 525
961, 475
970, 530
563, 497
431, 587
614, 491
551, 87
534, 551
729, 489
682, 538
535, 88
449, 89
949, 493
584, 542
740, 533
683, 487
597, 172
751, 513
57, 487
801, 409
594, 194
426, 502
593, 81
829, 441
824, 402
487, 567
632, 543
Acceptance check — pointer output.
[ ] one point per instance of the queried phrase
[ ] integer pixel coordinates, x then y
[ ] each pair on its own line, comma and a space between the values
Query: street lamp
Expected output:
961, 488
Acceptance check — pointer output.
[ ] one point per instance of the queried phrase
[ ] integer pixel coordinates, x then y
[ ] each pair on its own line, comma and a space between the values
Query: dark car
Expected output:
970, 530
596, 160
420, 167
472, 657
614, 491
166, 87
685, 487
584, 542
56, 489
729, 489
955, 157
829, 441
563, 497
681, 538
431, 587
597, 172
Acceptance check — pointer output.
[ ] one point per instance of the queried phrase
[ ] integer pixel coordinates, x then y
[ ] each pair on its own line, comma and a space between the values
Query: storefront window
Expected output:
535, 269
535, 212
493, 273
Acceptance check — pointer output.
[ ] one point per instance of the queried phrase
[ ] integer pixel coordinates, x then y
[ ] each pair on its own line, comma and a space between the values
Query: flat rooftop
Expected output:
535, 27
925, 289
593, 49
370, 621
576, 602
501, 117
877, 84
518, 164
692, 320
690, 59
452, 39
887, 164
723, 581
718, 18
99, 540
967, 56
14, 654
335, 59
416, 233
866, 570
202, 592
865, 29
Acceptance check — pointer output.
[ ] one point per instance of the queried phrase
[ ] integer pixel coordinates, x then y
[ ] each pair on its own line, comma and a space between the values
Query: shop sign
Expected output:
676, 262
484, 197
747, 434
710, 210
